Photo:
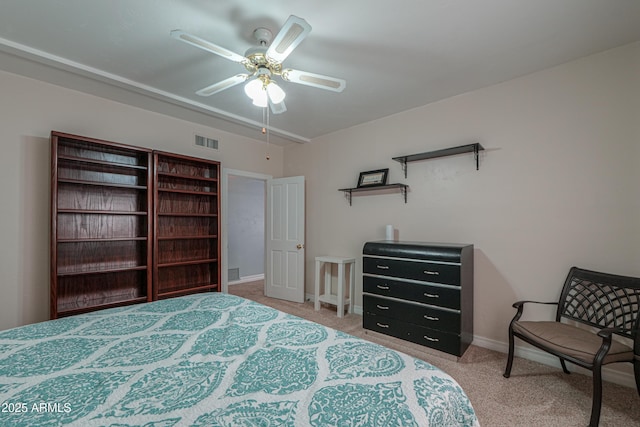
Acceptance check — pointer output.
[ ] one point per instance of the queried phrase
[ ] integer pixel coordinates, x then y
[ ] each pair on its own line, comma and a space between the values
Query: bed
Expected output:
214, 360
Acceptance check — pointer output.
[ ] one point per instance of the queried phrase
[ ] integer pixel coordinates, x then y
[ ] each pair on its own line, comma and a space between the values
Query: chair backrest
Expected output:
602, 300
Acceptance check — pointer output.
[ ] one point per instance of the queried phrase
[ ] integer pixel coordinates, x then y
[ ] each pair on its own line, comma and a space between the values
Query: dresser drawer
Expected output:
419, 314
443, 341
418, 292
423, 271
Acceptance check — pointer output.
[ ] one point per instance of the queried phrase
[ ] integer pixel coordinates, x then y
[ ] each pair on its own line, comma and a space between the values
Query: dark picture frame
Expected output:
373, 178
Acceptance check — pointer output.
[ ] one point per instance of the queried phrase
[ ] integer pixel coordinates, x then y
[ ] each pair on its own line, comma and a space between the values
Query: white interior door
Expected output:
284, 266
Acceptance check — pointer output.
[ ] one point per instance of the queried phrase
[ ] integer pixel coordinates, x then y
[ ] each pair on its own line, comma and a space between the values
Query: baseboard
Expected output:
247, 279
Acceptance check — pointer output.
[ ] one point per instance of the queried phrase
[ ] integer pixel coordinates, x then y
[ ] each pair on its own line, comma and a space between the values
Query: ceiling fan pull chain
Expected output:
265, 129
268, 131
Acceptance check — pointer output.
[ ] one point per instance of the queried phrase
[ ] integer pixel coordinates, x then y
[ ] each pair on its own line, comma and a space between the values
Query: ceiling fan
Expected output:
263, 63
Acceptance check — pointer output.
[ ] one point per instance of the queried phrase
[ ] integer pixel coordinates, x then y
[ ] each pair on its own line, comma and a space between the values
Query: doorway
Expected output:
282, 236
243, 204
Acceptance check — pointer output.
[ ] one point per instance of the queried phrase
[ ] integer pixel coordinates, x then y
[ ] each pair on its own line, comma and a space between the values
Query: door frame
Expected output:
224, 206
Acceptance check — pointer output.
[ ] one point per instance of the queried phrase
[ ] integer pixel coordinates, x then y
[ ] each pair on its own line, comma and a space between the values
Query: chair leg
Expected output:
636, 370
507, 371
564, 366
596, 405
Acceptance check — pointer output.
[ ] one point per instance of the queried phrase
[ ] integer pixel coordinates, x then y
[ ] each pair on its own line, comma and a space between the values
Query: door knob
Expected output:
299, 246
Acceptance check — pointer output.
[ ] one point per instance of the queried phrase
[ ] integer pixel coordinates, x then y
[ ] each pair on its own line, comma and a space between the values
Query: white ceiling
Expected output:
394, 55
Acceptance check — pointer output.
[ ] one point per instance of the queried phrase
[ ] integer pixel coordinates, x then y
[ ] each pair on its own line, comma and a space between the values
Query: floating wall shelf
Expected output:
469, 148
348, 191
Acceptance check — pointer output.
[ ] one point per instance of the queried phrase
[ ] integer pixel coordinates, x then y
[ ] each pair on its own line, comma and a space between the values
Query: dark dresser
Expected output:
420, 292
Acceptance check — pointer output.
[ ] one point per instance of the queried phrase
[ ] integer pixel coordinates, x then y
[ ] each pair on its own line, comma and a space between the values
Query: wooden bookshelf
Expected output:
186, 225
100, 224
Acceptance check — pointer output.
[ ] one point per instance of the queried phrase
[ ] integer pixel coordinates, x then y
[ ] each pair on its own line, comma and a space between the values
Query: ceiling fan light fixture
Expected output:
261, 90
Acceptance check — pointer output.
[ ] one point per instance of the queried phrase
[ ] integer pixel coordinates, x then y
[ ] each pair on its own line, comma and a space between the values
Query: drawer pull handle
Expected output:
435, 319
383, 287
431, 295
382, 307
382, 267
431, 339
382, 325
431, 273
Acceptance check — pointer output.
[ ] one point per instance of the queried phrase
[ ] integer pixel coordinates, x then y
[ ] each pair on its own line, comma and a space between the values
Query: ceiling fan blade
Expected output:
277, 108
206, 45
291, 34
222, 85
315, 80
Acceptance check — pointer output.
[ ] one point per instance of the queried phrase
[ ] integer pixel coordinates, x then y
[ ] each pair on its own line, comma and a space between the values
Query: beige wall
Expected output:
558, 184
29, 110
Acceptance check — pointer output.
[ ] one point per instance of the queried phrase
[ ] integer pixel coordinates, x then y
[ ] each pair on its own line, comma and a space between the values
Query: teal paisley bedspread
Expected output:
214, 360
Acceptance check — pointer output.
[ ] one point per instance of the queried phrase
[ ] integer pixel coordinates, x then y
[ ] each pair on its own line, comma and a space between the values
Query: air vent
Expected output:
203, 141
234, 274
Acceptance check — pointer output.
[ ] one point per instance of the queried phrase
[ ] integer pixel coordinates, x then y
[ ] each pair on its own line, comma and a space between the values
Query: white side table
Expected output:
338, 299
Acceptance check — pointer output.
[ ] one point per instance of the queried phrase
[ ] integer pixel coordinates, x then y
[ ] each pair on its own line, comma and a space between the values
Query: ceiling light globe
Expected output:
254, 89
261, 100
275, 92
